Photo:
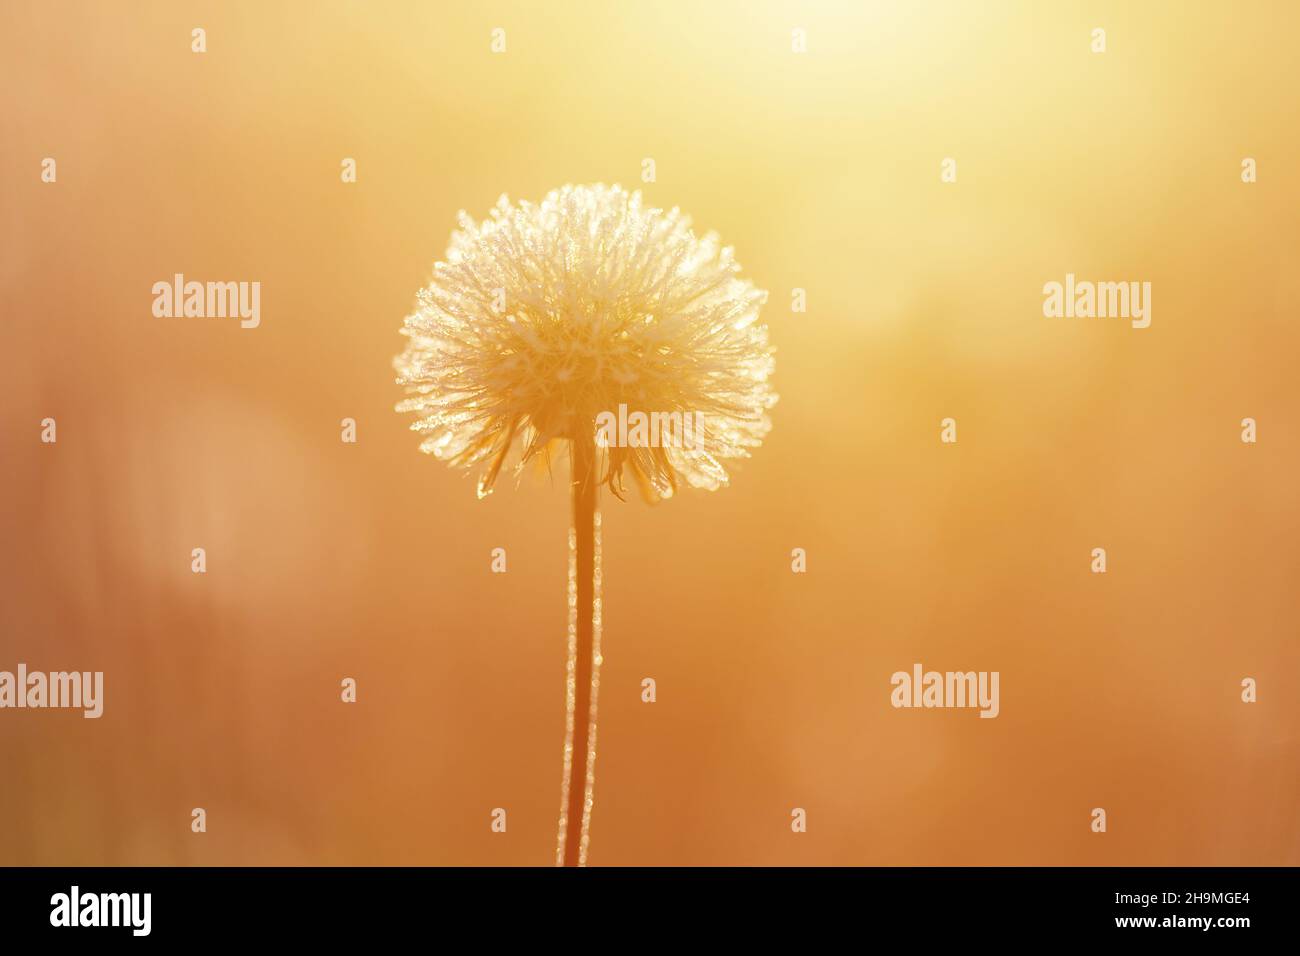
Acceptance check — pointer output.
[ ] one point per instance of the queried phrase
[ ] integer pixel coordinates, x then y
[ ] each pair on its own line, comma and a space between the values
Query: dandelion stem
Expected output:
584, 651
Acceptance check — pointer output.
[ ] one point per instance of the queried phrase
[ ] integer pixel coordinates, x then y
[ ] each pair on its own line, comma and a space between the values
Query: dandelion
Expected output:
542, 319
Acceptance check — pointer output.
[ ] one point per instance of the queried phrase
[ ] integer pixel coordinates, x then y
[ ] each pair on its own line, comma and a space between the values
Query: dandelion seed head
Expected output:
545, 315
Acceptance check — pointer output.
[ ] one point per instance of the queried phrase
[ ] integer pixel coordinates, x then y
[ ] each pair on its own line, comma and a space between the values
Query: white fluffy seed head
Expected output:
544, 316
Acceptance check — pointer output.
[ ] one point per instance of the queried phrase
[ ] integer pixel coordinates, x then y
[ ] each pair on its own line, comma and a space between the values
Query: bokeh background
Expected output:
328, 560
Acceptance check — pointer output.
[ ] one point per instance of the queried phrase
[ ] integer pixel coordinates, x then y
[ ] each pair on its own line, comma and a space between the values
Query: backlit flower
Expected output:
544, 316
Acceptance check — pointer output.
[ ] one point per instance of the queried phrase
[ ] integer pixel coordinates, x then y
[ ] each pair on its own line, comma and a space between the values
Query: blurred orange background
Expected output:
328, 560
